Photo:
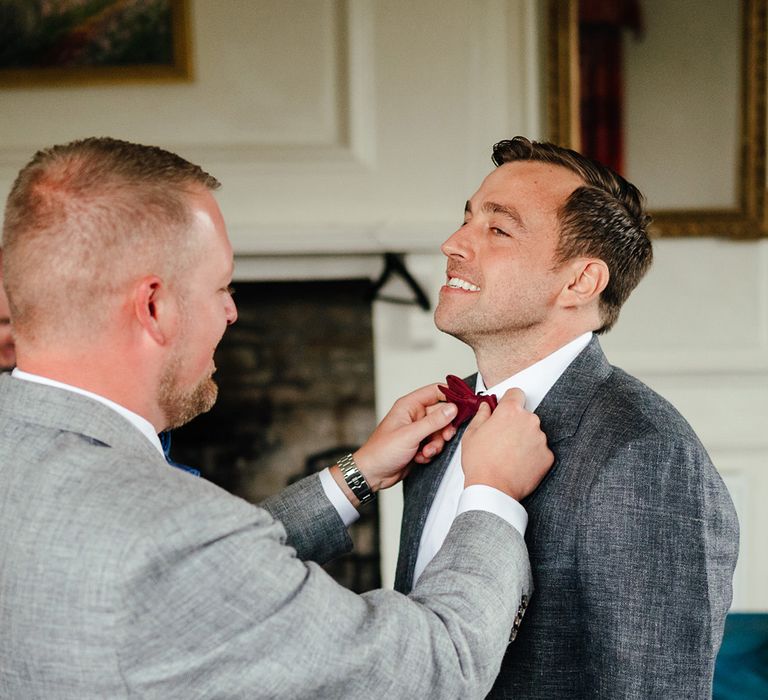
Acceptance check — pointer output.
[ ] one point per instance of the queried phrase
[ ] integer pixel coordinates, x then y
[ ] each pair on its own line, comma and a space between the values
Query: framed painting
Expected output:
60, 42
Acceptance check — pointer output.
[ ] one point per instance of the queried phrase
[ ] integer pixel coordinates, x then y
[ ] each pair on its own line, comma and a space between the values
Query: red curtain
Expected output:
601, 27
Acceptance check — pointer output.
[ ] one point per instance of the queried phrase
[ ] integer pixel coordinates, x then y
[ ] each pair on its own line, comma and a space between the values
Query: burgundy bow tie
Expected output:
467, 400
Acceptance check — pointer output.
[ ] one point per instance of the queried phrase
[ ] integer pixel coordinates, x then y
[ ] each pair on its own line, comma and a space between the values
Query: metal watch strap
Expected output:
355, 480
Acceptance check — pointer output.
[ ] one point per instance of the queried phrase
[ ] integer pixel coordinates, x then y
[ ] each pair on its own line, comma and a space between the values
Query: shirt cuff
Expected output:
347, 512
480, 497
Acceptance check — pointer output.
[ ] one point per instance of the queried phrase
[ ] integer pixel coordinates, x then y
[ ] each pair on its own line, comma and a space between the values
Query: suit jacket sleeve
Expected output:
314, 527
225, 609
658, 546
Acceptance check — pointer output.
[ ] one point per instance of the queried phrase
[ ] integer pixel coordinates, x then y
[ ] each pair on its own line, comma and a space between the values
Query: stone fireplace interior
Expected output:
296, 393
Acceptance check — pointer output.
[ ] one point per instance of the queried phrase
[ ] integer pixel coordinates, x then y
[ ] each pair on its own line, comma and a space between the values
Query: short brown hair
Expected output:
82, 218
605, 218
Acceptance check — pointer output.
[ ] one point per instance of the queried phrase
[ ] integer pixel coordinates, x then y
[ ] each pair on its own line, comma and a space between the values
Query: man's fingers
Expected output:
433, 447
448, 432
419, 401
435, 407
432, 422
513, 396
482, 415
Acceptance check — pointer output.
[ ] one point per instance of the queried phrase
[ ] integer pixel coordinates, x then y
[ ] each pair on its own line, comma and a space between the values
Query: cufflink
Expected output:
518, 618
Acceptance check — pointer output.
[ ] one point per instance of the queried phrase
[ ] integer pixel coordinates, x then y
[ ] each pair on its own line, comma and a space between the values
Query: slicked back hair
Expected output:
83, 220
605, 218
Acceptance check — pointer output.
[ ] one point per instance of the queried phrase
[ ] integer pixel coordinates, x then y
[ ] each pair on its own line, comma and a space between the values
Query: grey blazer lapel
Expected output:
64, 410
419, 490
562, 408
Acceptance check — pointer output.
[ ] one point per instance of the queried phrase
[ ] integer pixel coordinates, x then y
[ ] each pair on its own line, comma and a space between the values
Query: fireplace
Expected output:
296, 392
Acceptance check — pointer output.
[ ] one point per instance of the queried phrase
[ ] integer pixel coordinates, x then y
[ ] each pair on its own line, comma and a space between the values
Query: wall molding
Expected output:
353, 143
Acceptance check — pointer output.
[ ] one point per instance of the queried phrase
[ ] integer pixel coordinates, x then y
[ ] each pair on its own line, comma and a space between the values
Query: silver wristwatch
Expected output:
355, 480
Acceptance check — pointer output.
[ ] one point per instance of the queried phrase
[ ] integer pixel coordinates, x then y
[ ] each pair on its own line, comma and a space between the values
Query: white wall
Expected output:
364, 125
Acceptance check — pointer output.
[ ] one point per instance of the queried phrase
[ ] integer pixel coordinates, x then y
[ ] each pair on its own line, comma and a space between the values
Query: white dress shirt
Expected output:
535, 381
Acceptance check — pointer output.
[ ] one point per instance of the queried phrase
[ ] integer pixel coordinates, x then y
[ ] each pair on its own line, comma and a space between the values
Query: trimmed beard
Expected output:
181, 407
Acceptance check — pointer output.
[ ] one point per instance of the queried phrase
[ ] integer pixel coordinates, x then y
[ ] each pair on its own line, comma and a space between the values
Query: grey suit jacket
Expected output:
121, 577
633, 541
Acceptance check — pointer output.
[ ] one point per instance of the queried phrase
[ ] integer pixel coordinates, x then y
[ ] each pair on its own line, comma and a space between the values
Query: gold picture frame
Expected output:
747, 220
149, 42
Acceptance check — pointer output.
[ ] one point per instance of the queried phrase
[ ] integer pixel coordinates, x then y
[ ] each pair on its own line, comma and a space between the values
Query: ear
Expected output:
589, 277
154, 309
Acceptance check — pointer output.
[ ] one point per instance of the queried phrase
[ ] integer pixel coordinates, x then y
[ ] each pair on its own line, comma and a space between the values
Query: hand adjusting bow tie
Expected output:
468, 401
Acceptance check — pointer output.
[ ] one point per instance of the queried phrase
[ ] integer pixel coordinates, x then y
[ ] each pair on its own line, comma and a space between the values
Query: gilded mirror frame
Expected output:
749, 219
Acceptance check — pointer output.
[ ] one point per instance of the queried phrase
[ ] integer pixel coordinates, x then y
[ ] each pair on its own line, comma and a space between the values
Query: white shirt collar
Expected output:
538, 379
141, 423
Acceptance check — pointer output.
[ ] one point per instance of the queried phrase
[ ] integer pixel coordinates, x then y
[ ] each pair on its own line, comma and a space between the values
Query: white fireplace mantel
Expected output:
328, 252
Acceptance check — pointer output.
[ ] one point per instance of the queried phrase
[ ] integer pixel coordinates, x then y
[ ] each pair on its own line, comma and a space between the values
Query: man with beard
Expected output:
632, 536
123, 577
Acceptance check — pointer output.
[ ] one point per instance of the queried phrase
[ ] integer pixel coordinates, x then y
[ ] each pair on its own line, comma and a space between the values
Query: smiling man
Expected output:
122, 576
632, 536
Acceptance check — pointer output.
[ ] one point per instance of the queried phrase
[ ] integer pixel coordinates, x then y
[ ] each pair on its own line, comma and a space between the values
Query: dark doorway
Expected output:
295, 377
